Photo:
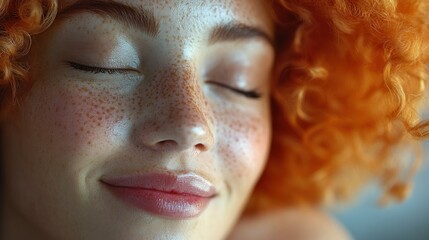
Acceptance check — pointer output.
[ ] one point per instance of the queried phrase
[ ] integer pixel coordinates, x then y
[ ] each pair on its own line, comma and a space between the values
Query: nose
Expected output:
180, 118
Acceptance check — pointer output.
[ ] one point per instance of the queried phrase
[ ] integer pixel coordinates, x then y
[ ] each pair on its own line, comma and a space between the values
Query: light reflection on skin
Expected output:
76, 127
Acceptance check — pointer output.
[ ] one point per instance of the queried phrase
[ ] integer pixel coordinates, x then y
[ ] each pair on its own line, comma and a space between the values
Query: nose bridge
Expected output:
181, 90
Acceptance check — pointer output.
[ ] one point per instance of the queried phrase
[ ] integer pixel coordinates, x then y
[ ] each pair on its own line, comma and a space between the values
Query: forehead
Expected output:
197, 13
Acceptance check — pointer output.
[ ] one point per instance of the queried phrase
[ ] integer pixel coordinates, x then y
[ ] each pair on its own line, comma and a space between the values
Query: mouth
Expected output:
173, 196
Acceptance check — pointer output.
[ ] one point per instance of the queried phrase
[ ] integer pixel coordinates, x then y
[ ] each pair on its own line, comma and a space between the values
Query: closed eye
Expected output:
98, 70
252, 94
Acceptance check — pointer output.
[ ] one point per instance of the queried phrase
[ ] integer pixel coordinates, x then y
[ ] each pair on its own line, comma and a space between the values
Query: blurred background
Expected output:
406, 221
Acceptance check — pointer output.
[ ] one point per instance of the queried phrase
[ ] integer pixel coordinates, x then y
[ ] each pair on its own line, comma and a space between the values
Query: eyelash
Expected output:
252, 94
96, 70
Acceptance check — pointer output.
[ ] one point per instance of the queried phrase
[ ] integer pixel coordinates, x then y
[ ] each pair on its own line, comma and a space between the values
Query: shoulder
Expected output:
296, 224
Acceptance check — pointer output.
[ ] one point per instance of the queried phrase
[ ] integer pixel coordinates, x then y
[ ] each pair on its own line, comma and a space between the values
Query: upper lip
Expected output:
182, 184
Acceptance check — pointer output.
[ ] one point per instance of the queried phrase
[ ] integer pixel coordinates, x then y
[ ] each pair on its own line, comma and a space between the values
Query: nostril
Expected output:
201, 147
179, 135
171, 144
166, 144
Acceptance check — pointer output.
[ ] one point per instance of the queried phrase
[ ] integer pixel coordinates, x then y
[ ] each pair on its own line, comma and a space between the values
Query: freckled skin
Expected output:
75, 127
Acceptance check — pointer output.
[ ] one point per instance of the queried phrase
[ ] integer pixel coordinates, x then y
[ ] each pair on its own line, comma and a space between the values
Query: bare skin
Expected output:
181, 103
113, 98
294, 224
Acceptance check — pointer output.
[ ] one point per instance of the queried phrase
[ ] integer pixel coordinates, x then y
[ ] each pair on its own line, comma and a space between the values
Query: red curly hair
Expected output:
349, 83
19, 20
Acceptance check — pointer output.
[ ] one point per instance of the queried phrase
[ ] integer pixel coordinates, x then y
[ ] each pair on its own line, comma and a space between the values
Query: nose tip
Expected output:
178, 133
197, 138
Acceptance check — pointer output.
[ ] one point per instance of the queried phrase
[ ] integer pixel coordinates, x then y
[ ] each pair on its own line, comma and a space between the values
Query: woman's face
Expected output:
145, 121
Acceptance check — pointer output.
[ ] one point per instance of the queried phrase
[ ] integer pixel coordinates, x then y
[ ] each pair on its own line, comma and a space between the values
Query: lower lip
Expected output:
170, 205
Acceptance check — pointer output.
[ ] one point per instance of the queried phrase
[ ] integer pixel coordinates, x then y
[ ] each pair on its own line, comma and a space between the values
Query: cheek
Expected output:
75, 118
243, 143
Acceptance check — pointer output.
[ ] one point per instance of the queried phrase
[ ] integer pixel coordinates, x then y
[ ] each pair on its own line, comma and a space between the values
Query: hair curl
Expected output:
350, 78
19, 20
349, 83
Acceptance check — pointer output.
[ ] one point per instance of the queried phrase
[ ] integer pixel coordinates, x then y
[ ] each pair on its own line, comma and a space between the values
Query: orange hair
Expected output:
19, 19
350, 78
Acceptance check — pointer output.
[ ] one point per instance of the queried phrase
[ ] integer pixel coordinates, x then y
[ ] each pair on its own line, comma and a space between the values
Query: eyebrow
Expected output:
130, 16
238, 31
144, 19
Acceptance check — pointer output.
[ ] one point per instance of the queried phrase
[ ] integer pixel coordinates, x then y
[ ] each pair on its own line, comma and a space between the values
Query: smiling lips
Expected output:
171, 196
